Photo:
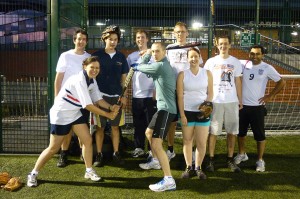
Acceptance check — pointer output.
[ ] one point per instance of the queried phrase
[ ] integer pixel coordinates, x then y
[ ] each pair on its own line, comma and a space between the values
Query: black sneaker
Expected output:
210, 166
188, 173
62, 160
233, 167
98, 160
201, 175
117, 158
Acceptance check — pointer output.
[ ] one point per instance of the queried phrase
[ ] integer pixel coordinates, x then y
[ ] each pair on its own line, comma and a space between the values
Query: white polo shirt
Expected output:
224, 72
142, 85
74, 95
255, 79
178, 59
70, 63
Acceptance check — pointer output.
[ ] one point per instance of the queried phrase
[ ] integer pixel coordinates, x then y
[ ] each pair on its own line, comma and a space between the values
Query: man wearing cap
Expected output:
114, 69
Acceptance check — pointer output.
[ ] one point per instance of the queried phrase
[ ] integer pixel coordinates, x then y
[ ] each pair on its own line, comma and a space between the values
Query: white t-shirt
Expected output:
194, 89
74, 95
142, 85
70, 63
224, 72
255, 79
178, 59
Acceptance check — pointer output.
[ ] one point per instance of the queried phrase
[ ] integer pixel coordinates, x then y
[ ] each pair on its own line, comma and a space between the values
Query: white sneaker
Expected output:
260, 166
240, 158
31, 180
163, 185
138, 152
92, 175
150, 165
170, 155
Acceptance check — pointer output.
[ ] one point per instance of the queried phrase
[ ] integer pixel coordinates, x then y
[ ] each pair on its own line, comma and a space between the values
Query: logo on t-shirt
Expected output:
260, 71
119, 63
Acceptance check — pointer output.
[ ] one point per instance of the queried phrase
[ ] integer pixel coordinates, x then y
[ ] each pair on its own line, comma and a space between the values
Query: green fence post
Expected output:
257, 22
53, 46
1, 142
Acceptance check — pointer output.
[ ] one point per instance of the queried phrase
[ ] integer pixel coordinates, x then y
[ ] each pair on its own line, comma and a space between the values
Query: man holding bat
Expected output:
165, 83
177, 55
114, 69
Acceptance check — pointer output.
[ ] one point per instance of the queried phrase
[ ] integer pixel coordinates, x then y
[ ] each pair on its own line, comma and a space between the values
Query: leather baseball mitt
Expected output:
206, 109
4, 178
13, 184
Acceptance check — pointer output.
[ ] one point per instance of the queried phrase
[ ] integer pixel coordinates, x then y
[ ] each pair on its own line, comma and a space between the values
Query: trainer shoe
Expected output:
188, 173
233, 167
92, 175
201, 175
164, 185
138, 152
210, 166
150, 156
150, 165
240, 158
98, 160
62, 160
31, 180
260, 166
170, 154
118, 159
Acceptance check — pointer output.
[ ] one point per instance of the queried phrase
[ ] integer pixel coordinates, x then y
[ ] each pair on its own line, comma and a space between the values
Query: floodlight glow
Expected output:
197, 25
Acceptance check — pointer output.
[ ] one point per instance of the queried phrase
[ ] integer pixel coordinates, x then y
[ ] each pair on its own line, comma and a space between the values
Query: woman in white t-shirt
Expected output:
79, 91
194, 86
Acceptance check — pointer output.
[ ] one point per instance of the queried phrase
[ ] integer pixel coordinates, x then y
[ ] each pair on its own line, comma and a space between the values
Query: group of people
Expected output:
167, 88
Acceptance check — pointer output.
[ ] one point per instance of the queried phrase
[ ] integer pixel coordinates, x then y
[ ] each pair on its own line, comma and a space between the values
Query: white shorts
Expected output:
227, 112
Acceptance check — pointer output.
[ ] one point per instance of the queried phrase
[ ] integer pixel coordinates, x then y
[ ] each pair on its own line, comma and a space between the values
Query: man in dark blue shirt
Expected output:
114, 69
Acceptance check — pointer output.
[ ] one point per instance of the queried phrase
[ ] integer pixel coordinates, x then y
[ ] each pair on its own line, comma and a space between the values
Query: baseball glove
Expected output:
205, 109
4, 178
13, 184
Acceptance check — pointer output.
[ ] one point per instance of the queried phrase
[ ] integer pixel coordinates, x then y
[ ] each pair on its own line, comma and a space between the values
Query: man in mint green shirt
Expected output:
165, 83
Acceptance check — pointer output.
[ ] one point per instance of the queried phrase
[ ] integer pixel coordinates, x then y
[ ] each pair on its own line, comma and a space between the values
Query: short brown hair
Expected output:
181, 24
80, 31
89, 60
142, 31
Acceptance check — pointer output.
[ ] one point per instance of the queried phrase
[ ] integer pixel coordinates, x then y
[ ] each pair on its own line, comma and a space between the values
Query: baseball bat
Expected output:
126, 83
187, 45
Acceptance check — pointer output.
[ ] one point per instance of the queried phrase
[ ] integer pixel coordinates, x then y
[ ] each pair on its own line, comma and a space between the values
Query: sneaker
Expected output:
92, 175
138, 152
233, 167
31, 180
260, 166
98, 160
62, 160
170, 154
150, 165
210, 166
150, 156
118, 159
201, 175
163, 185
188, 173
240, 158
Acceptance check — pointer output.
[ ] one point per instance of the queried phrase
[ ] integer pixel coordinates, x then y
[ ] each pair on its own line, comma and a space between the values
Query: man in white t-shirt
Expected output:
179, 62
227, 100
256, 75
143, 101
69, 64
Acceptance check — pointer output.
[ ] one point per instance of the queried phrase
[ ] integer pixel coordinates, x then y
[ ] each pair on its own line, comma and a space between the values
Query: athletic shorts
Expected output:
116, 121
193, 119
160, 123
61, 130
255, 117
227, 112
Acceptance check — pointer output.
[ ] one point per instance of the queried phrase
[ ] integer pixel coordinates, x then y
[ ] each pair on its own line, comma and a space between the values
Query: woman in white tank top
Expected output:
194, 86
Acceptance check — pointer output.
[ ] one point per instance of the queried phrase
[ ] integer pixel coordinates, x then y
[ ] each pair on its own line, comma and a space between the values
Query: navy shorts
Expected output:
160, 123
255, 117
62, 130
